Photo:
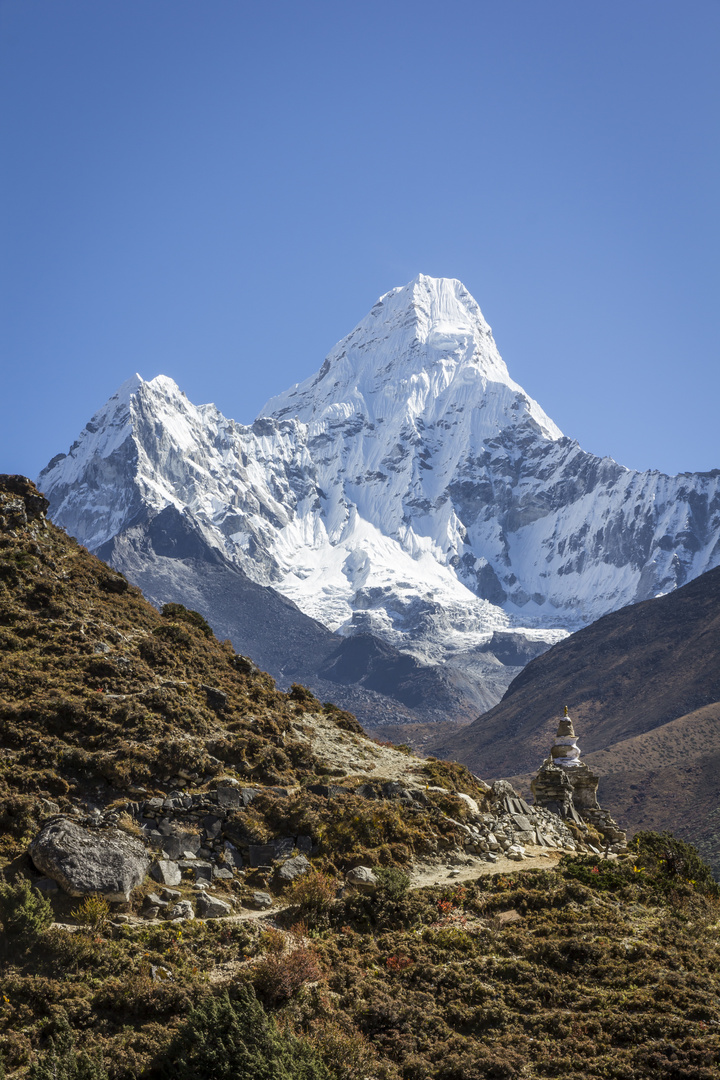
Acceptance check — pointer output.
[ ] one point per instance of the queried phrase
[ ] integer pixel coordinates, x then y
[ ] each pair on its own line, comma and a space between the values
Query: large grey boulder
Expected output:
292, 868
210, 907
260, 900
361, 878
166, 872
82, 861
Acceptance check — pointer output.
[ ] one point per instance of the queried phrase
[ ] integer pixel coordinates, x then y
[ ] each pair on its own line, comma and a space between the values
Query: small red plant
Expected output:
398, 963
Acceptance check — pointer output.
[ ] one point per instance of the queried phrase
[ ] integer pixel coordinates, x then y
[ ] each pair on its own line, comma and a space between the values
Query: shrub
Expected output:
173, 633
183, 614
313, 893
393, 883
63, 1062
596, 873
93, 911
673, 862
304, 697
24, 912
225, 1040
272, 941
348, 1053
278, 977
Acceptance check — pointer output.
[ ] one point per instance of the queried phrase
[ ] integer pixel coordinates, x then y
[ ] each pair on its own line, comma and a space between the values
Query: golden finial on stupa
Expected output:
566, 710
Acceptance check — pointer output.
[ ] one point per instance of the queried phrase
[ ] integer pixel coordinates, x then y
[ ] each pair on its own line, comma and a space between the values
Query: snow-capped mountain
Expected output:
410, 489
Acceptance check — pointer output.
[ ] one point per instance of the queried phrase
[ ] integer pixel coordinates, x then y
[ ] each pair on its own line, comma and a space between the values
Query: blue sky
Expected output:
219, 190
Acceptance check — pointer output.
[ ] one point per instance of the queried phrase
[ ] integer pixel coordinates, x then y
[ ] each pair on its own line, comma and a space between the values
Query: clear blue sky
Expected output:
219, 190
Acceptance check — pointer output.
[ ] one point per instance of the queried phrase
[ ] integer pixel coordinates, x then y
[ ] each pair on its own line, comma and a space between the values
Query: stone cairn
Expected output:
567, 787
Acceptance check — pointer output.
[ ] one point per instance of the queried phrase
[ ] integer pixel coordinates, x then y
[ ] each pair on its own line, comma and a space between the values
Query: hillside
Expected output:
644, 687
339, 911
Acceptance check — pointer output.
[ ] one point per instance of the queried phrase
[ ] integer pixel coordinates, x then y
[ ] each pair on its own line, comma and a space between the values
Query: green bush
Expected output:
313, 893
93, 911
24, 912
672, 862
229, 1040
63, 1062
393, 883
183, 614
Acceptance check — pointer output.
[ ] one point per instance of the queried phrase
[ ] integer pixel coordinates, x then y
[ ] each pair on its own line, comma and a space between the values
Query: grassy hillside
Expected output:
586, 969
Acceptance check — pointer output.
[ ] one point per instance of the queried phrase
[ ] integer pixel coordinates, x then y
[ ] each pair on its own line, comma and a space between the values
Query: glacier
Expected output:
409, 489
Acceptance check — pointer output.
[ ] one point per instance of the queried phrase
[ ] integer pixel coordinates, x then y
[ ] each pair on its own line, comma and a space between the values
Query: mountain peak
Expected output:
439, 302
422, 351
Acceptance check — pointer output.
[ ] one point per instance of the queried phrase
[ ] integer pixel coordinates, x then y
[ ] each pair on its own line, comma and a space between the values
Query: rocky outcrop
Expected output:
20, 502
83, 861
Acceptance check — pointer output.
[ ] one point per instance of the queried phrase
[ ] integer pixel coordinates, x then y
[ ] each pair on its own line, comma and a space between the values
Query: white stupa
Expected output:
565, 749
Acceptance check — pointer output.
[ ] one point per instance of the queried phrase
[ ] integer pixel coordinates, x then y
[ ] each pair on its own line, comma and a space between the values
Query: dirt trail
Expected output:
348, 754
422, 875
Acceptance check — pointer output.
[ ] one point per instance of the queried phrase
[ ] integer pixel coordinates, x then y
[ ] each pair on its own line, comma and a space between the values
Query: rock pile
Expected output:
508, 825
203, 835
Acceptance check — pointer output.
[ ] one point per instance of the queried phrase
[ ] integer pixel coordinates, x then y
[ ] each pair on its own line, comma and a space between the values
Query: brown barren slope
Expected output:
642, 685
666, 779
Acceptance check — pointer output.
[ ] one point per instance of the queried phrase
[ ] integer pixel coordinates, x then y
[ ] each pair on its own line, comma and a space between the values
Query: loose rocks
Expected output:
165, 872
183, 910
292, 868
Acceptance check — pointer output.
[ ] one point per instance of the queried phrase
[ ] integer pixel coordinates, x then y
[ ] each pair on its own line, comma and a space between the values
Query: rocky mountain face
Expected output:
410, 490
169, 558
644, 687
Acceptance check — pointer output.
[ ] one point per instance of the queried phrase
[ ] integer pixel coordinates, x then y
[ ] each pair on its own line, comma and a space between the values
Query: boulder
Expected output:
209, 907
182, 910
361, 878
107, 862
261, 854
165, 872
469, 802
203, 871
232, 855
222, 873
260, 900
229, 797
153, 900
292, 868
47, 885
177, 841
